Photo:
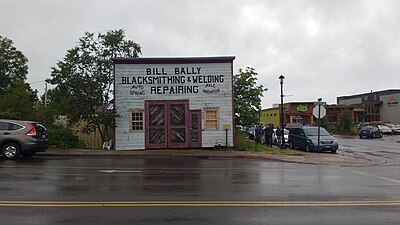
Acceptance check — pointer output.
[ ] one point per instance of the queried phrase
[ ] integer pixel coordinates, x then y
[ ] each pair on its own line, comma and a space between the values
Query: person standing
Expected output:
279, 135
268, 135
259, 134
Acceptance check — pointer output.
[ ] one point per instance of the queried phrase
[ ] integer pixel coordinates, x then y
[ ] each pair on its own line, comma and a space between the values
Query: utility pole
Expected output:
45, 94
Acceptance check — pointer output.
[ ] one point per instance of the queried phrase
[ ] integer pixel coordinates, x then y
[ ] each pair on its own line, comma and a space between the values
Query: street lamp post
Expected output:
319, 122
283, 146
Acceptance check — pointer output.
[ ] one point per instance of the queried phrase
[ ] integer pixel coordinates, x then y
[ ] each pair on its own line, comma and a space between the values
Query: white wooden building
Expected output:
173, 102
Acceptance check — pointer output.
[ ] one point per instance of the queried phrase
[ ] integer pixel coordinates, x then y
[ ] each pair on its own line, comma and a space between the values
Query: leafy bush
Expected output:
62, 137
241, 141
345, 122
353, 131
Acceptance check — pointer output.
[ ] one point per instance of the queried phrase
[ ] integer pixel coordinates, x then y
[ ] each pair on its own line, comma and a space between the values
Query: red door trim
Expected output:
166, 126
147, 125
185, 126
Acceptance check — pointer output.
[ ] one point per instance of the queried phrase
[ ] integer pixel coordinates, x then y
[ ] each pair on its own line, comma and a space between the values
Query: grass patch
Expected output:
242, 143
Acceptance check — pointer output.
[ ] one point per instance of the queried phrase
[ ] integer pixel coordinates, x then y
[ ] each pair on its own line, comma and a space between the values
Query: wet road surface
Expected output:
383, 151
158, 190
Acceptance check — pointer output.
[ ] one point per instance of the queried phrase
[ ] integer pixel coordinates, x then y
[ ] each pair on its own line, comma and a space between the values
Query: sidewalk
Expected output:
339, 159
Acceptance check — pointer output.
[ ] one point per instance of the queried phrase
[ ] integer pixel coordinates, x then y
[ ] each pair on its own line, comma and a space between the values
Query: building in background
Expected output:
294, 112
173, 102
379, 105
302, 113
270, 116
333, 114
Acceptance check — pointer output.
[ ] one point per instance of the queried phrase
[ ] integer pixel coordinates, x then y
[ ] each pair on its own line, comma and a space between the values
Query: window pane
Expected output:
211, 124
177, 116
156, 115
157, 136
195, 136
211, 118
4, 126
137, 120
178, 135
195, 119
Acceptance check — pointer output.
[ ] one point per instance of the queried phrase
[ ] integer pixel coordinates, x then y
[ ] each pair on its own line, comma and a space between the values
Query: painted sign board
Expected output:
302, 108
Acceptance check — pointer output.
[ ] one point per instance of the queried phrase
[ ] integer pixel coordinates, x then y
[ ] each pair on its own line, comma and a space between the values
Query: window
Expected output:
10, 126
137, 119
211, 118
4, 126
332, 118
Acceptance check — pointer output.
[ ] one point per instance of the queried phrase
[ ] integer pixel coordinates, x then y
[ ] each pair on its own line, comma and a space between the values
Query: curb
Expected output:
340, 159
152, 153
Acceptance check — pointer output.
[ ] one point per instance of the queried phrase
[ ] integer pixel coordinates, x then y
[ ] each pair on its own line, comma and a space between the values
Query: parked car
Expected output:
306, 137
251, 131
385, 129
370, 132
396, 129
22, 138
275, 138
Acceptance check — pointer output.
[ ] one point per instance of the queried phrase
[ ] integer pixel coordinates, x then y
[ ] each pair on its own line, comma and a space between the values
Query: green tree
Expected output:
247, 97
85, 77
18, 101
324, 122
345, 121
13, 64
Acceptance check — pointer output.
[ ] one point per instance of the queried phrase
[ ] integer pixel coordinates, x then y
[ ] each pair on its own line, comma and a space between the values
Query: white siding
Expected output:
213, 94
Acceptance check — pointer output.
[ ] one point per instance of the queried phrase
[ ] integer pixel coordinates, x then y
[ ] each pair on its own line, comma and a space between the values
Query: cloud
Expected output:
323, 48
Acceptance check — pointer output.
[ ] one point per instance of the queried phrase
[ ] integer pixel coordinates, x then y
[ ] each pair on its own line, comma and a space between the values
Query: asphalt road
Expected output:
165, 190
385, 151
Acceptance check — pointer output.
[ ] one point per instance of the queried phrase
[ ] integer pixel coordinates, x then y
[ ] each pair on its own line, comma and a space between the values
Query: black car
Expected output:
21, 138
370, 132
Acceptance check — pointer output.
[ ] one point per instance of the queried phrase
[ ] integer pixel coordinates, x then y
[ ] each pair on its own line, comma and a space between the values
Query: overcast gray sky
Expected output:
324, 48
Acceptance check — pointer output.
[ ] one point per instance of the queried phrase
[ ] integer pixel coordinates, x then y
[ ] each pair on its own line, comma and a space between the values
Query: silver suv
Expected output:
22, 138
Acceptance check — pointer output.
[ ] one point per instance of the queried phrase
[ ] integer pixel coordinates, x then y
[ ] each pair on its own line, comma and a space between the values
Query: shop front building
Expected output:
379, 105
293, 112
302, 113
173, 103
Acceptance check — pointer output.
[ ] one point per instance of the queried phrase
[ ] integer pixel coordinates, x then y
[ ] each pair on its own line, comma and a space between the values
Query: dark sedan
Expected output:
370, 132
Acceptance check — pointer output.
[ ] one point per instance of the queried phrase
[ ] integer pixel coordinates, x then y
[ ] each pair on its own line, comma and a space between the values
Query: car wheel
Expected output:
10, 151
307, 147
361, 137
373, 135
333, 151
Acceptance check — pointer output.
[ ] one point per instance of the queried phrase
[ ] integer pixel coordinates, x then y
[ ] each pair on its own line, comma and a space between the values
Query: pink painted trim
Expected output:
233, 106
174, 60
166, 125
115, 109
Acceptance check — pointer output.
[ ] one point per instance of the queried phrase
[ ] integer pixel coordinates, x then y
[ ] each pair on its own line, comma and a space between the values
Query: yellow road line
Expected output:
198, 204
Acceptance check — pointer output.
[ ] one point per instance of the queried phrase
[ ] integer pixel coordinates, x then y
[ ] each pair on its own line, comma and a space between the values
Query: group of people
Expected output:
264, 134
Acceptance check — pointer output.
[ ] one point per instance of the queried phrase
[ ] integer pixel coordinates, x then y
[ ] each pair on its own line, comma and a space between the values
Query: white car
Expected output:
385, 129
395, 128
275, 139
